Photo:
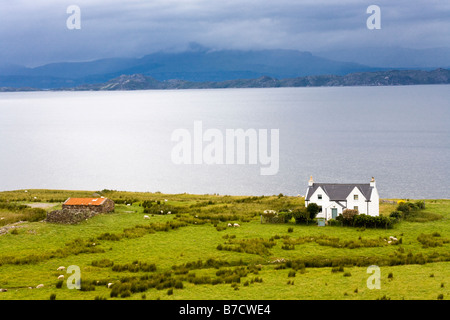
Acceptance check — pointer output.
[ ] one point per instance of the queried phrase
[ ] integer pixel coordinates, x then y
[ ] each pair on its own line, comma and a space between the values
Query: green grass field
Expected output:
195, 255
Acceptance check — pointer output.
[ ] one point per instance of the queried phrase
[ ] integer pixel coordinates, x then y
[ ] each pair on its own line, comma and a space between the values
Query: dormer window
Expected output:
319, 196
355, 197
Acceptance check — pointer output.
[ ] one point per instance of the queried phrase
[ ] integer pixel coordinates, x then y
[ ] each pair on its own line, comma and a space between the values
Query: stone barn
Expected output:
98, 205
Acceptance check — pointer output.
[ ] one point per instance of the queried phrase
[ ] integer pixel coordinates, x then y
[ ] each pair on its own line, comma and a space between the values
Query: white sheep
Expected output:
39, 286
61, 277
236, 225
61, 268
110, 284
230, 225
146, 217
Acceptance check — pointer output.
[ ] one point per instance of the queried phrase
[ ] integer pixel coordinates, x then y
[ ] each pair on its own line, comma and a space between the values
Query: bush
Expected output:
312, 209
285, 216
348, 216
300, 215
432, 240
363, 220
103, 263
397, 215
334, 222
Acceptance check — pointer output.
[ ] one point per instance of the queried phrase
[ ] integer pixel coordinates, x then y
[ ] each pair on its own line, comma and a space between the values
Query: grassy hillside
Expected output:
193, 254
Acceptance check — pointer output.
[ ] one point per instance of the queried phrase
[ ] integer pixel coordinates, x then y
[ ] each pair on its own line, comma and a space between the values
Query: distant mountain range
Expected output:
201, 67
379, 78
200, 64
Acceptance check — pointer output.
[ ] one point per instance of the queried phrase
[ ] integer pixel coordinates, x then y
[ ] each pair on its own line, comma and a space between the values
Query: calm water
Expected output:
122, 140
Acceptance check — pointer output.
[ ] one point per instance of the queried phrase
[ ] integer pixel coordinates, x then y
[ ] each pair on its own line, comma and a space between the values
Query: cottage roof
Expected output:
84, 201
340, 191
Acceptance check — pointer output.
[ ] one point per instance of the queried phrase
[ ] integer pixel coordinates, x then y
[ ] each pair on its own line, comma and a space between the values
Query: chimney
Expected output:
372, 182
310, 183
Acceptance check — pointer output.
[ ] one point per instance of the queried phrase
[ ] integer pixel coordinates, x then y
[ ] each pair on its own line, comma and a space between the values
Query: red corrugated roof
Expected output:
84, 201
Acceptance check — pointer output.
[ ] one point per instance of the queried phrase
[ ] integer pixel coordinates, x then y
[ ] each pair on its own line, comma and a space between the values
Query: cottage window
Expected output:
355, 197
319, 196
320, 209
356, 208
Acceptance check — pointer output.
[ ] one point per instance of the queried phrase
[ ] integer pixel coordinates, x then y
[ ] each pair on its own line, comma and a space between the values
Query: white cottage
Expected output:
333, 198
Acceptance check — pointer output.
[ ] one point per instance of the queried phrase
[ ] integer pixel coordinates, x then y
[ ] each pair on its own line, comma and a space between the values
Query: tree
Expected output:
313, 210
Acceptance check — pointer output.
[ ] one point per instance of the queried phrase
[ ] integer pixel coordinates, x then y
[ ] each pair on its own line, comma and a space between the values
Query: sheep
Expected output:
61, 268
110, 284
61, 277
39, 286
236, 225
3, 290
230, 225
146, 217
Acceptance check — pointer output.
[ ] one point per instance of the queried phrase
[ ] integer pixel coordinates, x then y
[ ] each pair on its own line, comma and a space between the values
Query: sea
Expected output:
131, 140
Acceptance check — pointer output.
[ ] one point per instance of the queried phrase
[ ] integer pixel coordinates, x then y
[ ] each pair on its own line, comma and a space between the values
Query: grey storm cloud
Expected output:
33, 33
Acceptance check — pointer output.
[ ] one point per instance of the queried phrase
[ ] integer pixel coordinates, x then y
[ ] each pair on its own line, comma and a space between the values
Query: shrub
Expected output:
103, 263
285, 216
396, 215
109, 237
300, 215
53, 296
337, 269
348, 216
312, 209
334, 222
432, 240
363, 220
136, 266
87, 286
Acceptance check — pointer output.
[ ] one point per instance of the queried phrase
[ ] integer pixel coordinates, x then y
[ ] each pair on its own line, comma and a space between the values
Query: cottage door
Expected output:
333, 213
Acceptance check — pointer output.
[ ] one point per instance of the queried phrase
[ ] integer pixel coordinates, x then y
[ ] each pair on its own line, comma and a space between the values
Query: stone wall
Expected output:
69, 216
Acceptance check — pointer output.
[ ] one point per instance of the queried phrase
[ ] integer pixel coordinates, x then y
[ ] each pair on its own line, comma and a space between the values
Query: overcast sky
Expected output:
35, 32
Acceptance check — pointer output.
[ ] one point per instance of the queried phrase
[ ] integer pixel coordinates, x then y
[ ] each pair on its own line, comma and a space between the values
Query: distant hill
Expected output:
380, 78
198, 64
